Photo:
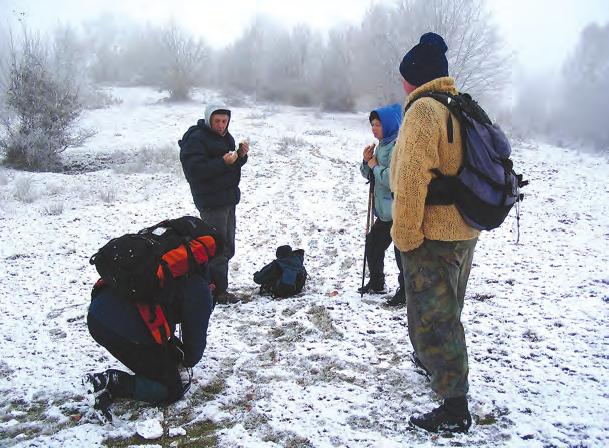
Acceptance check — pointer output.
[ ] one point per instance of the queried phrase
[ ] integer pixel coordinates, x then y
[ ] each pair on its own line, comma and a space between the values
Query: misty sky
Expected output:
541, 32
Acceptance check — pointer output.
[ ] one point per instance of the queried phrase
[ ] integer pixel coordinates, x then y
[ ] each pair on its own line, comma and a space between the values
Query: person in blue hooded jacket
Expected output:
385, 122
116, 324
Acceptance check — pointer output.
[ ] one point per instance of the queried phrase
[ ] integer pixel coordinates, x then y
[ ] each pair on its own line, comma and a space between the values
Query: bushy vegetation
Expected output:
42, 108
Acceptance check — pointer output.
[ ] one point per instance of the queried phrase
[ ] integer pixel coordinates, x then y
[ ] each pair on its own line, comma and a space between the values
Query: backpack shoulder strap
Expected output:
153, 316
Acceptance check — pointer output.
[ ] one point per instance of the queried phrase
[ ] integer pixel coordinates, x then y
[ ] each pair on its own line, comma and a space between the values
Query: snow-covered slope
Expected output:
326, 368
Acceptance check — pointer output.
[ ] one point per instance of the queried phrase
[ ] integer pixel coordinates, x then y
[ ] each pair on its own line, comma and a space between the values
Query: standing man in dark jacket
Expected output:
212, 168
116, 324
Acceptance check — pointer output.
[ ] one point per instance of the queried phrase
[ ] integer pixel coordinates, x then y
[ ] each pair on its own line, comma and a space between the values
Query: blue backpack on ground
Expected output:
285, 276
486, 186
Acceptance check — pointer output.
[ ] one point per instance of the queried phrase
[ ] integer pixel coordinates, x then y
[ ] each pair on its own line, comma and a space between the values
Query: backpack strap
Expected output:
151, 313
154, 318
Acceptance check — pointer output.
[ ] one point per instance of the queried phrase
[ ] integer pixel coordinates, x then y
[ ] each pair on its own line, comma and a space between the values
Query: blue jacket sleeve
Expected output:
197, 164
364, 169
196, 310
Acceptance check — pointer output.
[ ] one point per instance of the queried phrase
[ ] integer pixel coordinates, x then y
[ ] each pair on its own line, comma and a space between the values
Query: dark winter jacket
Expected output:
212, 183
192, 307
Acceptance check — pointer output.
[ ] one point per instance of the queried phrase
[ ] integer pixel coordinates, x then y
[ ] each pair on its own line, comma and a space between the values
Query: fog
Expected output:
342, 57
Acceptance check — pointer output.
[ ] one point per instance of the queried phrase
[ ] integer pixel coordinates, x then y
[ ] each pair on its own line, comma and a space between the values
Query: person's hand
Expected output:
176, 349
230, 157
244, 148
372, 162
368, 152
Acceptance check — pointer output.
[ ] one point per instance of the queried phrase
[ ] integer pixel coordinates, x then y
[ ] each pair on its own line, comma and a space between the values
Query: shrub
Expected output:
54, 209
42, 110
24, 189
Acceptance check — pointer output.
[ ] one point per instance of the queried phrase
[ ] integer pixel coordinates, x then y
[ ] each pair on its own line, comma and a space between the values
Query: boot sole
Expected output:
441, 430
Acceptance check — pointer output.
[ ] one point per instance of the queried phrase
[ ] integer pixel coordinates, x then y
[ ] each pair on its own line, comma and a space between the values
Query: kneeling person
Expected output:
116, 324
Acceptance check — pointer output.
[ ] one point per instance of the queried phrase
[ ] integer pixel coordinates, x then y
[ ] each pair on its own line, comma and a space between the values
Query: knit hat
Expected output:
425, 61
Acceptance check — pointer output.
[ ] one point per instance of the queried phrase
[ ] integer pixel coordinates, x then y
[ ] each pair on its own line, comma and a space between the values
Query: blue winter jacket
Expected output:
212, 183
191, 307
391, 119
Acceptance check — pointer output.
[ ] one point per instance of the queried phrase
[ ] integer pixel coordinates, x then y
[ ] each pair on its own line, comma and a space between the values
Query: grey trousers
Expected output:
223, 219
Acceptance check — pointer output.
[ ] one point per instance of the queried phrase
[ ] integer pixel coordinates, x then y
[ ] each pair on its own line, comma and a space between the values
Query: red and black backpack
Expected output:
144, 266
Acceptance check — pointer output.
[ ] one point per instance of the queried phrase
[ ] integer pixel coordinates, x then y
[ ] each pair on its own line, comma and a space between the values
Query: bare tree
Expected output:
476, 57
376, 56
182, 59
582, 114
334, 82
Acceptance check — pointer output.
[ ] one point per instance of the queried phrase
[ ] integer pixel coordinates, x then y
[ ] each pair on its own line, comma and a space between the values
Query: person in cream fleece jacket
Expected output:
436, 245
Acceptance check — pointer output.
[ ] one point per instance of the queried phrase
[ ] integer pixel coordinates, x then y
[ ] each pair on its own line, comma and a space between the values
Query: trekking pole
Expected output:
369, 218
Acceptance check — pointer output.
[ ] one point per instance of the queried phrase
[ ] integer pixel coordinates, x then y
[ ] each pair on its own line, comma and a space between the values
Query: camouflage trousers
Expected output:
435, 276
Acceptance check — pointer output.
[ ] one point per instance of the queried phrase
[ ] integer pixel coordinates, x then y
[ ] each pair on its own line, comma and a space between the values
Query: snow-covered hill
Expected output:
326, 368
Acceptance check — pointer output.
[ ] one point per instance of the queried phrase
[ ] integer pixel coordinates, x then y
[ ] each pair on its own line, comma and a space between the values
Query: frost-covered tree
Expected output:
242, 65
476, 58
377, 52
42, 109
334, 81
582, 113
181, 59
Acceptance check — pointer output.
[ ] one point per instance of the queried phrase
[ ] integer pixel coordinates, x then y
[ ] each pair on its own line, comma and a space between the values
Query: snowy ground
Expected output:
325, 368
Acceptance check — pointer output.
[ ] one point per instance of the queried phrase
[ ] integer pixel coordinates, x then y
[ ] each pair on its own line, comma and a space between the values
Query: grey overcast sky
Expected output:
541, 32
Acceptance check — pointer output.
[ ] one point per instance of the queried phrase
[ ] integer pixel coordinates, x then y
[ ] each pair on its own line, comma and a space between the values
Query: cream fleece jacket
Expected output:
422, 144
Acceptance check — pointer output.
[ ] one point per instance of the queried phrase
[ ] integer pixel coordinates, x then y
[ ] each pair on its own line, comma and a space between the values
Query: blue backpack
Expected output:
486, 186
285, 276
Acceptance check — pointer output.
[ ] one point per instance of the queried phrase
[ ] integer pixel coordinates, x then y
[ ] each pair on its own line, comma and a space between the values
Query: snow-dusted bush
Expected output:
54, 208
43, 108
23, 189
107, 194
291, 142
156, 159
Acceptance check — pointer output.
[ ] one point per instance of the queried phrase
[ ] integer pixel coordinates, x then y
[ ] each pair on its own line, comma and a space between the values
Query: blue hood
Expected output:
391, 119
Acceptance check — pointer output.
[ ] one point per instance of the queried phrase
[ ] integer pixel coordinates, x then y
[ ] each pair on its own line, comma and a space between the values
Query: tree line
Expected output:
351, 68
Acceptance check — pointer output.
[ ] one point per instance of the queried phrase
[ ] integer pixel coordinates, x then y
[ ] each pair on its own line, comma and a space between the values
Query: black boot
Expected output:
106, 387
225, 298
398, 299
118, 383
452, 416
376, 285
101, 407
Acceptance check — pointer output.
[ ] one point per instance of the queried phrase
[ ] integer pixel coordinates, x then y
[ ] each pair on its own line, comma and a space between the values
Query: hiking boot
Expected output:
107, 386
398, 299
376, 285
225, 298
114, 381
101, 407
419, 367
452, 416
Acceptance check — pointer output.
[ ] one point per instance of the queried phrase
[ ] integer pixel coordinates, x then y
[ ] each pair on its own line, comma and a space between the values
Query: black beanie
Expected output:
425, 61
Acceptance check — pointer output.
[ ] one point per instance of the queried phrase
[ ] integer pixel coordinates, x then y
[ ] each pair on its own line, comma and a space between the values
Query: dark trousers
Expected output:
224, 220
436, 276
157, 379
377, 242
